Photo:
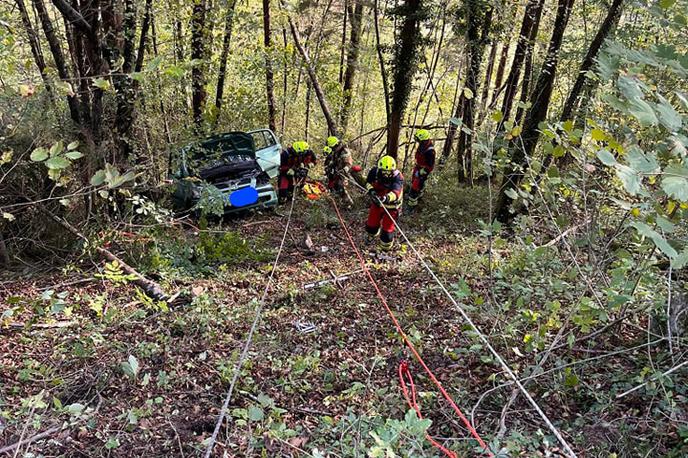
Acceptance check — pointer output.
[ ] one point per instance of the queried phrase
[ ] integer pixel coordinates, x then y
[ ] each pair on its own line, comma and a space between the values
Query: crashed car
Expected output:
239, 165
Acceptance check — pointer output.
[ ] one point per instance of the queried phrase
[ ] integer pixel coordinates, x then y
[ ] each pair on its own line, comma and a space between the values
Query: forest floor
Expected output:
109, 373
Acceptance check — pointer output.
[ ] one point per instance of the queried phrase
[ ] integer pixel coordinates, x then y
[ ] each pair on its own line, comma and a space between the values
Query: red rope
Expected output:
408, 342
405, 374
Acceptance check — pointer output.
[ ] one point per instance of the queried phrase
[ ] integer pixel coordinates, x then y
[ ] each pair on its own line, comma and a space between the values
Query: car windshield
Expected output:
219, 150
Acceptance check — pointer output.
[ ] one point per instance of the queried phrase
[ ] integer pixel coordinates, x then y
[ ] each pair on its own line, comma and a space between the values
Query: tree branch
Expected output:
73, 16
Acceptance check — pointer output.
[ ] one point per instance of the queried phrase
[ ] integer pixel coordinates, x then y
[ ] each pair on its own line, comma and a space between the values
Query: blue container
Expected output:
243, 197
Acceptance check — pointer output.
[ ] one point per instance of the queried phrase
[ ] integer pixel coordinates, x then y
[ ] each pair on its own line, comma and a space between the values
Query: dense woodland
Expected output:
555, 218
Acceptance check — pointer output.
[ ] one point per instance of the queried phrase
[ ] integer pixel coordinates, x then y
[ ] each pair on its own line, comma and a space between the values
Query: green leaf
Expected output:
643, 112
598, 135
154, 64
606, 157
72, 146
265, 401
255, 413
497, 116
666, 225
101, 83
76, 409
666, 4
659, 241
641, 161
629, 178
56, 149
39, 155
57, 163
73, 155
98, 178
511, 193
668, 116
130, 367
680, 261
676, 187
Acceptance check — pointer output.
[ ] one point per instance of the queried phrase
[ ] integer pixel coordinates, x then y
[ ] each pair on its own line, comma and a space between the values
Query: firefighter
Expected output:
425, 162
385, 186
338, 164
295, 162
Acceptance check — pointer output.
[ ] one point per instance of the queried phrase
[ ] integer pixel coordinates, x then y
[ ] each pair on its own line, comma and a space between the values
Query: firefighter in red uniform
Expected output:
295, 162
425, 162
338, 163
385, 186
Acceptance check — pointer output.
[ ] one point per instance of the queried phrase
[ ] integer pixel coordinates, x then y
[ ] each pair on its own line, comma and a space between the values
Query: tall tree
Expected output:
356, 14
198, 54
523, 147
608, 24
381, 60
478, 18
331, 125
58, 55
410, 14
34, 42
528, 67
226, 41
488, 76
124, 87
500, 74
531, 15
269, 75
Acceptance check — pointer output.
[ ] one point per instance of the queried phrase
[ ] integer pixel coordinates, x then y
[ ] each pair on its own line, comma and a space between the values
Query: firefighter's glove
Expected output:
389, 198
301, 173
373, 196
290, 172
422, 172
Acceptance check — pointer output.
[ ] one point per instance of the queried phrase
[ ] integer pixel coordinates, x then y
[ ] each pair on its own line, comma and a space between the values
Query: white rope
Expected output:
247, 344
482, 337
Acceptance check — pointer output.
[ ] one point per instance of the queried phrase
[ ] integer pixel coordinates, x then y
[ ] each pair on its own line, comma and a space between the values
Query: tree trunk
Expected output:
58, 56
488, 77
524, 147
314, 79
124, 87
269, 76
145, 26
356, 14
607, 26
531, 14
343, 46
525, 87
528, 70
500, 74
405, 56
381, 60
198, 40
457, 105
226, 41
478, 24
285, 82
34, 43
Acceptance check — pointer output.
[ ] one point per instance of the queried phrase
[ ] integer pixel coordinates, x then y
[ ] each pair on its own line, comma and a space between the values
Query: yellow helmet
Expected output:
332, 141
300, 146
387, 164
327, 150
422, 135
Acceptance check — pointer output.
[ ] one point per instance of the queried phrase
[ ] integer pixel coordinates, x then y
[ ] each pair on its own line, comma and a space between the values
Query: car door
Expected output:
268, 150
